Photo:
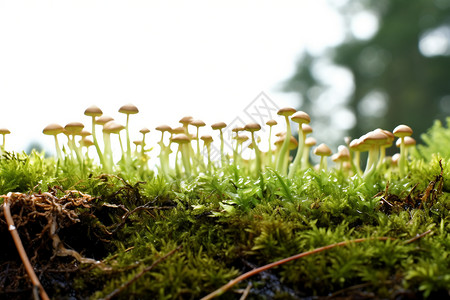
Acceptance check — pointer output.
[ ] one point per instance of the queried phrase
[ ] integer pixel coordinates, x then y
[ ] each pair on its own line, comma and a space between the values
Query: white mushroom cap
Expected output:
322, 150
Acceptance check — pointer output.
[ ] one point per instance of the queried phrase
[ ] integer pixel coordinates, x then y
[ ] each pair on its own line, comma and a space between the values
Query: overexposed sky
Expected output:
208, 59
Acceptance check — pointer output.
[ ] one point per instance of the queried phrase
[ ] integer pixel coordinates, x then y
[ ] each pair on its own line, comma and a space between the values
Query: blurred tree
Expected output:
398, 55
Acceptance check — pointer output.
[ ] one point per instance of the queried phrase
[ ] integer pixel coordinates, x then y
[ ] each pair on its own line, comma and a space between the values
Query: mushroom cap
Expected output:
310, 141
181, 138
306, 128
344, 153
163, 128
113, 127
286, 111
85, 142
241, 138
395, 158
4, 131
409, 141
137, 142
53, 129
177, 130
402, 131
300, 117
93, 111
322, 150
84, 133
74, 127
252, 127
359, 145
103, 120
186, 120
198, 123
218, 125
128, 109
238, 129
293, 143
144, 130
271, 122
376, 137
206, 138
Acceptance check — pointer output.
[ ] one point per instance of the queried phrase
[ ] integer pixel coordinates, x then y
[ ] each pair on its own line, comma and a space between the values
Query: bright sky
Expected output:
208, 59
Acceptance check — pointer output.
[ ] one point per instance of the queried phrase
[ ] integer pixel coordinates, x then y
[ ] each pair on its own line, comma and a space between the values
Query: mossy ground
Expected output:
224, 224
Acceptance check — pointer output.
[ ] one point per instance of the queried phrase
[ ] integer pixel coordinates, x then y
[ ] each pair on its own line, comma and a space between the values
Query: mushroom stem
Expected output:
97, 147
297, 161
281, 164
58, 149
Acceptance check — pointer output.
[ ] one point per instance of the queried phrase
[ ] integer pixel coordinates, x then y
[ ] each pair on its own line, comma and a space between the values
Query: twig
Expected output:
23, 255
137, 276
418, 237
244, 276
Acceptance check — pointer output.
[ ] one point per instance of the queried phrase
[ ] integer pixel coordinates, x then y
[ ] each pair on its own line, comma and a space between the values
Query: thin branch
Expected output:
419, 236
244, 276
139, 275
23, 255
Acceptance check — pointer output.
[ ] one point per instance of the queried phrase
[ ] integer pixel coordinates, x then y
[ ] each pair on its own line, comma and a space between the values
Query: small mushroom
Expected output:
301, 118
401, 131
285, 112
128, 109
220, 126
323, 151
54, 129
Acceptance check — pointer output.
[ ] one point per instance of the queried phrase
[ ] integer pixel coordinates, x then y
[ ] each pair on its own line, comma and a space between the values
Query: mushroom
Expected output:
207, 140
374, 140
252, 128
54, 129
286, 112
309, 142
219, 126
144, 131
301, 118
128, 109
323, 151
198, 124
4, 132
72, 129
401, 131
270, 123
108, 129
94, 112
183, 141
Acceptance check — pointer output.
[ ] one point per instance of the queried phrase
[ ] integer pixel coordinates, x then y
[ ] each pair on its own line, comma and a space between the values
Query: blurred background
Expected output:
352, 65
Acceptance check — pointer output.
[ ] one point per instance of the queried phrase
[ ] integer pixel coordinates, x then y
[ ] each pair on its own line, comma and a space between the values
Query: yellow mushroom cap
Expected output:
286, 111
177, 130
241, 138
93, 111
74, 127
53, 129
84, 133
322, 150
128, 109
218, 125
252, 127
4, 131
237, 129
85, 142
300, 117
402, 131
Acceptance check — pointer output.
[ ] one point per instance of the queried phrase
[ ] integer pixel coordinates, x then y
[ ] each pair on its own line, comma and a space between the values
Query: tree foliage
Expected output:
400, 73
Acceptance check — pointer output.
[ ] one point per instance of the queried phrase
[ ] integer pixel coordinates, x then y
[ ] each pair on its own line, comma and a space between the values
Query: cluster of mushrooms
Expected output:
191, 159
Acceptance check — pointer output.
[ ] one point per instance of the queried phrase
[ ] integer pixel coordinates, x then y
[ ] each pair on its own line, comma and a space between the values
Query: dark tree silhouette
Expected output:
404, 66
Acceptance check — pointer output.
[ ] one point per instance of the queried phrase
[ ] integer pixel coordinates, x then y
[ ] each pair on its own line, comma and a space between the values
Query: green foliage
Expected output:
437, 142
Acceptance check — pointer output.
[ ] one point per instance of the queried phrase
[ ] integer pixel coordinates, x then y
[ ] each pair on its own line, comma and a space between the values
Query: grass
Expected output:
184, 237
